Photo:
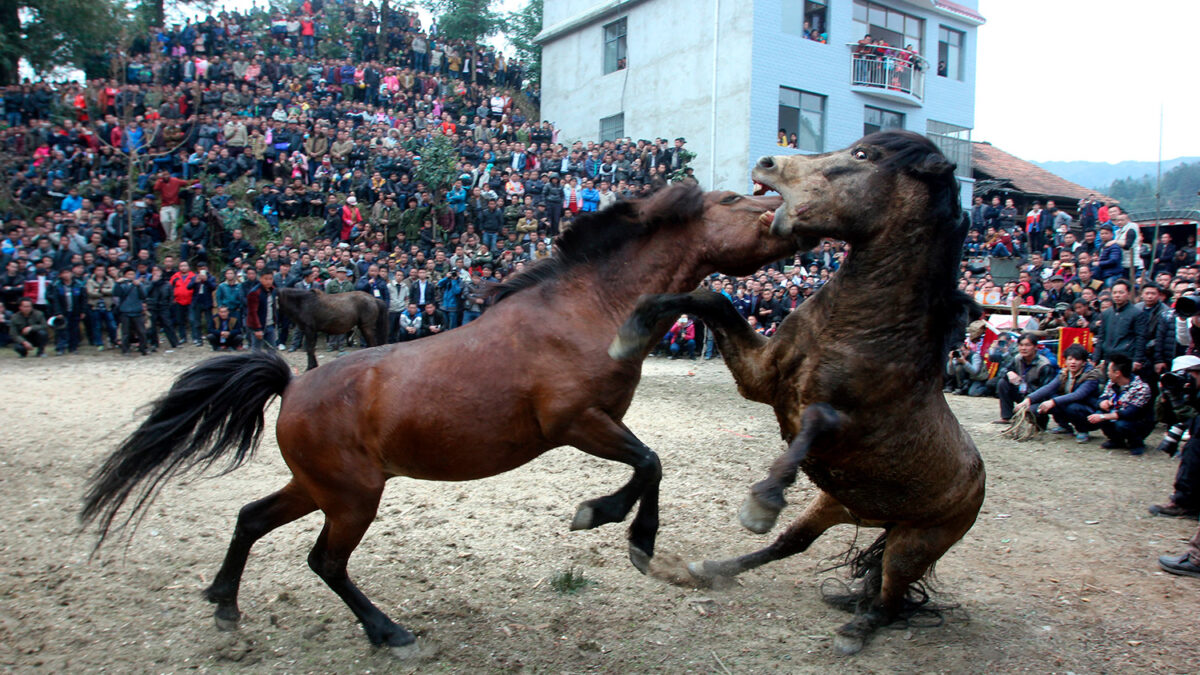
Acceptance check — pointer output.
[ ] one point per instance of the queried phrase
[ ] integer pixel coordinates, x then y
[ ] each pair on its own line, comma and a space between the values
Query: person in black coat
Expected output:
194, 240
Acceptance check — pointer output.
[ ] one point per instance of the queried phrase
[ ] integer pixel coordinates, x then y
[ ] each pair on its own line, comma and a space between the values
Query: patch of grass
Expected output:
569, 582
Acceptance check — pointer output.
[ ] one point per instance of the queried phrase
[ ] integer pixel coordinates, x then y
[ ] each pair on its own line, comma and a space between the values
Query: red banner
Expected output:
1073, 336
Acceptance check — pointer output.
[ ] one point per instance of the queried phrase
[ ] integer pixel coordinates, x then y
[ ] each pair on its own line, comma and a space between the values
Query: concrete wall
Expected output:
667, 88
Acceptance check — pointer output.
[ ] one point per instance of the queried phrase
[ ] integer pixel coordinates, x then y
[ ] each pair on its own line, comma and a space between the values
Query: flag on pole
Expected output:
1073, 336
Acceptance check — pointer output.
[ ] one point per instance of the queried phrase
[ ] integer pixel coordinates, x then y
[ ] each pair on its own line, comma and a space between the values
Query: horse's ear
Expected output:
934, 164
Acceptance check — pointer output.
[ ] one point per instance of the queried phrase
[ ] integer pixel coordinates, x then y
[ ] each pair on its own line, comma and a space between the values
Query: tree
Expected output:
54, 33
436, 169
470, 20
522, 27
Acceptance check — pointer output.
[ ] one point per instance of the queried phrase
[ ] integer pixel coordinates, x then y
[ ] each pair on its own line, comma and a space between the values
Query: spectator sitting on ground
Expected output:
1029, 371
1071, 396
963, 370
1126, 414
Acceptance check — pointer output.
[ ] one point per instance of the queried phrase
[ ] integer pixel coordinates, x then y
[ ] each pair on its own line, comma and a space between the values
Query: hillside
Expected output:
1099, 174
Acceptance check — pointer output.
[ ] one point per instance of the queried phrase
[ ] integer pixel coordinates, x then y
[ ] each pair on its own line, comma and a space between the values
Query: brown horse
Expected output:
855, 374
531, 374
312, 311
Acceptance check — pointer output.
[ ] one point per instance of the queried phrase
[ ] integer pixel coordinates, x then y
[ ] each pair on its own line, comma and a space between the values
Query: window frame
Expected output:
954, 67
800, 110
955, 143
880, 127
870, 8
619, 42
620, 117
798, 12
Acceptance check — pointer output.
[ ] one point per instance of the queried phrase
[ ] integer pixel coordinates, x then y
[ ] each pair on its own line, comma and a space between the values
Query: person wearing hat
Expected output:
351, 219
340, 283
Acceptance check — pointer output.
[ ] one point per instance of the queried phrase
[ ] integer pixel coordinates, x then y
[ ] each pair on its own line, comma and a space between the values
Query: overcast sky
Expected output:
1084, 79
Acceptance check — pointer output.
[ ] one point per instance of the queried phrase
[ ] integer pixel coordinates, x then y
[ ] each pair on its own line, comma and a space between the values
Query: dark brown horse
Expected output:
855, 374
532, 374
313, 311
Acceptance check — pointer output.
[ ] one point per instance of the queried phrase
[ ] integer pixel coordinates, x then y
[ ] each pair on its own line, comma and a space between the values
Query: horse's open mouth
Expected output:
761, 188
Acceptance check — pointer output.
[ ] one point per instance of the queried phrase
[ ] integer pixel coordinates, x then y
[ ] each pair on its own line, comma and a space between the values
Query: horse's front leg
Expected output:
765, 501
598, 434
310, 347
745, 352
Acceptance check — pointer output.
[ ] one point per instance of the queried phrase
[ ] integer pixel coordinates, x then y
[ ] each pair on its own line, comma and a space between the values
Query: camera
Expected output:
1187, 306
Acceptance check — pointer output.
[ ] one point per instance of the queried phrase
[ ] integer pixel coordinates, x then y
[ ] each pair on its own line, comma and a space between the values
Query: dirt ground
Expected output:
1058, 574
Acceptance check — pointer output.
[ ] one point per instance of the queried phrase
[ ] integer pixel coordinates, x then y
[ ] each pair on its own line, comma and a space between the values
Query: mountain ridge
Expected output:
1100, 175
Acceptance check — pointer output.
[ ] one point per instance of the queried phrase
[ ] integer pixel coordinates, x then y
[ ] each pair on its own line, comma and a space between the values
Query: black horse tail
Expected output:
212, 409
383, 324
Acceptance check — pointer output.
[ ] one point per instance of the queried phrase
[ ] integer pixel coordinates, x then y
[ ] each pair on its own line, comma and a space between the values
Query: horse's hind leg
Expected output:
821, 514
765, 501
908, 555
597, 434
254, 520
348, 514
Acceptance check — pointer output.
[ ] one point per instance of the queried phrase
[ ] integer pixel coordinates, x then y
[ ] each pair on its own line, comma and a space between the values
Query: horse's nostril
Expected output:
766, 162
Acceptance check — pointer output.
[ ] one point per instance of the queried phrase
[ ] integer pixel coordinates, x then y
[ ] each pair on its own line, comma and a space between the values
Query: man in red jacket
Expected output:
183, 299
168, 187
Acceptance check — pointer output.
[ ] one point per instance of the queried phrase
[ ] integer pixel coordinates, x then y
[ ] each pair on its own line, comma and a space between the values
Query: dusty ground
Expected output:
1058, 575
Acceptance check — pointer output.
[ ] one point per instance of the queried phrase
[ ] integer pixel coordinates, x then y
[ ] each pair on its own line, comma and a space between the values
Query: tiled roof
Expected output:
994, 163
960, 10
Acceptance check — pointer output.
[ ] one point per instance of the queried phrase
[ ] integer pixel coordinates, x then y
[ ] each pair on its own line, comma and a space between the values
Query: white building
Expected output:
729, 75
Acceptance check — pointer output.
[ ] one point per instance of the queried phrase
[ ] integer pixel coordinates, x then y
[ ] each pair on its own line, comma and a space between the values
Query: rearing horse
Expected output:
855, 373
531, 374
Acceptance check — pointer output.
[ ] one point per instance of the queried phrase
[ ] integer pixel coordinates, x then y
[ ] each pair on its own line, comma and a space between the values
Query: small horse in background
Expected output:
313, 311
532, 374
855, 373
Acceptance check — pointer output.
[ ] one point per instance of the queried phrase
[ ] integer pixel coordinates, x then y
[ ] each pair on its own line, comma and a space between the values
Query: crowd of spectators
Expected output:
253, 143
1090, 277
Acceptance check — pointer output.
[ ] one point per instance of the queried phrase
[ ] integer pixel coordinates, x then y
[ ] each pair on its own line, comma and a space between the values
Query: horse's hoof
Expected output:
640, 559
225, 625
583, 518
417, 649
700, 576
756, 517
846, 645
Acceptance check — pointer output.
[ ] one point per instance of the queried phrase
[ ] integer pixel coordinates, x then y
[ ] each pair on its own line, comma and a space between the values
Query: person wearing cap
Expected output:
1179, 406
340, 283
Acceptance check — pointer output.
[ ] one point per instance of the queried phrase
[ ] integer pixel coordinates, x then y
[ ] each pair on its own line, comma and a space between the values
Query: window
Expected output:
801, 120
954, 142
612, 127
884, 23
806, 18
614, 46
950, 53
878, 119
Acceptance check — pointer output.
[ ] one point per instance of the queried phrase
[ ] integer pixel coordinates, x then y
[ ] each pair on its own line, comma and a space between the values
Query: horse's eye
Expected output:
729, 199
860, 154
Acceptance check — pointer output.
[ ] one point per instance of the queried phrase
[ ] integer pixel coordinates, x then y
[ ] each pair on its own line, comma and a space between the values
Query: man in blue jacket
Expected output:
68, 299
1071, 396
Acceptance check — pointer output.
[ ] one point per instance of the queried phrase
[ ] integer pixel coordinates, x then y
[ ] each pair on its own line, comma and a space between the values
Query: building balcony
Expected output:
888, 73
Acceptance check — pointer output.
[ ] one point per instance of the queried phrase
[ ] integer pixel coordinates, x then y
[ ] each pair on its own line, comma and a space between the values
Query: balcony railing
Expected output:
895, 73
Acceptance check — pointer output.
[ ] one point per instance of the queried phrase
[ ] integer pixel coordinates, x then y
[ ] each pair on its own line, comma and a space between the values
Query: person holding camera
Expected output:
1071, 396
965, 371
1179, 406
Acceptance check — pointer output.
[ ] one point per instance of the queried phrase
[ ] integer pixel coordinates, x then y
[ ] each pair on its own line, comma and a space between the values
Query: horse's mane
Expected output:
913, 154
596, 237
